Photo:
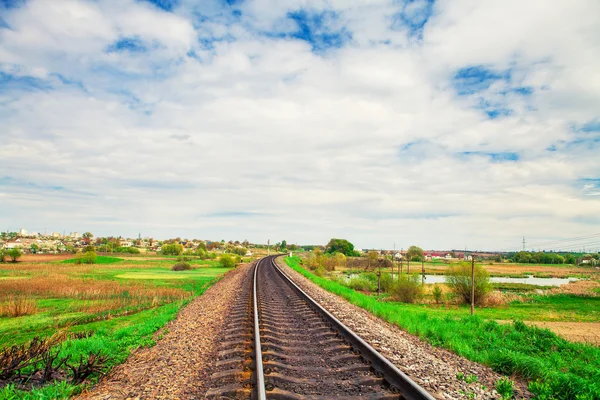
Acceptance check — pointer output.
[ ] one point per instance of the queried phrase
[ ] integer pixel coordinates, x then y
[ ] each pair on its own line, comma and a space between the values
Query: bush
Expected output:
240, 251
437, 294
407, 288
202, 253
18, 306
173, 249
14, 254
362, 283
386, 281
181, 266
184, 258
89, 257
127, 250
2, 256
459, 280
226, 261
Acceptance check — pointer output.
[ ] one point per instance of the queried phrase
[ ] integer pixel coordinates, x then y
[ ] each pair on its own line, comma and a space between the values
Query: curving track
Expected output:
280, 344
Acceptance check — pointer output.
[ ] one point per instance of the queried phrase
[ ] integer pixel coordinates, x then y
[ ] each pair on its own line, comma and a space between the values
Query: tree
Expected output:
372, 258
283, 245
14, 254
340, 246
414, 253
87, 237
35, 248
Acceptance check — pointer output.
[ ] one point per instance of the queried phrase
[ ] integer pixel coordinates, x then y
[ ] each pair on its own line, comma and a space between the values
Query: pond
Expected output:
530, 280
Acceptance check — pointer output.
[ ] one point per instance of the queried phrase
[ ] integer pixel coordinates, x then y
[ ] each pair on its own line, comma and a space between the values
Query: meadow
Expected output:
555, 368
111, 307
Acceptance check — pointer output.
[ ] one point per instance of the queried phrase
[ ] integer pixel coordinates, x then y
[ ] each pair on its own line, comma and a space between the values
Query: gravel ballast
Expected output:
435, 369
178, 366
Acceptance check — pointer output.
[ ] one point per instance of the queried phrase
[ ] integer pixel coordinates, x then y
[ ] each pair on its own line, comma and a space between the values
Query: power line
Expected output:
556, 243
552, 242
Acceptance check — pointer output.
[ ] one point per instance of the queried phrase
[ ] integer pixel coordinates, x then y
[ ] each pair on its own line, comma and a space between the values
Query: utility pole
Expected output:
423, 271
268, 247
523, 243
472, 284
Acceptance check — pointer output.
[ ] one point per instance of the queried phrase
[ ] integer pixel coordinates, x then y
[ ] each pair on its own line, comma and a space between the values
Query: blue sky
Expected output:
436, 123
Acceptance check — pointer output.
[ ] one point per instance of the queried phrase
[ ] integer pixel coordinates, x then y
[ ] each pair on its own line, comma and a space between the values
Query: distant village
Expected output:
73, 242
55, 243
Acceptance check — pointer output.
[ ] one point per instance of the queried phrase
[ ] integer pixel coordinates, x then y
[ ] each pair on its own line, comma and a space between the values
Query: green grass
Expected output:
556, 368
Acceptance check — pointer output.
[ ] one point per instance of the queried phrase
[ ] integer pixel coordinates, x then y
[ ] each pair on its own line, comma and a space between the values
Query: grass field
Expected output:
113, 306
554, 367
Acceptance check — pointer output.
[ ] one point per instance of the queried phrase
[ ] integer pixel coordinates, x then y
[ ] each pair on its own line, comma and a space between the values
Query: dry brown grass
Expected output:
17, 306
63, 286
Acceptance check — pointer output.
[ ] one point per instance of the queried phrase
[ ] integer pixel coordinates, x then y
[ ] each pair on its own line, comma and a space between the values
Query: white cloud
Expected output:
258, 137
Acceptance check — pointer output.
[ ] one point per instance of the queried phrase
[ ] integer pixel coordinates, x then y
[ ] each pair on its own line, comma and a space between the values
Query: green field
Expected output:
114, 306
554, 367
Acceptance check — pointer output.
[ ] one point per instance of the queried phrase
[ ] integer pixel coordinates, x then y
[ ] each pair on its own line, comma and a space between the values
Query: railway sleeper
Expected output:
276, 366
231, 391
280, 394
366, 382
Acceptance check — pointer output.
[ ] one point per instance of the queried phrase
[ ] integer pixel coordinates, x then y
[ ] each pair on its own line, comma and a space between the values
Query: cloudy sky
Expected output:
445, 123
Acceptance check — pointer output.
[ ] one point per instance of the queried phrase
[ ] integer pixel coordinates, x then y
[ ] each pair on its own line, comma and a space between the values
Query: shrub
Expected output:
181, 266
240, 251
459, 280
361, 283
173, 249
18, 306
14, 254
89, 257
386, 282
130, 250
2, 255
226, 261
407, 288
202, 253
320, 271
184, 258
437, 294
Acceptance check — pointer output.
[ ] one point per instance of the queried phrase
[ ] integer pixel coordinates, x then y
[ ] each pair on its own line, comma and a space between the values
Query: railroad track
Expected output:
281, 344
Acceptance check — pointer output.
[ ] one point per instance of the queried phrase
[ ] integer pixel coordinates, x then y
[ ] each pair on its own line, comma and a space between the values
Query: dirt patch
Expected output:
583, 332
44, 257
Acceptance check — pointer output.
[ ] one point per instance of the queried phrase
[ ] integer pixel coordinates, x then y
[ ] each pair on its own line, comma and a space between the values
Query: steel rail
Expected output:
398, 380
258, 370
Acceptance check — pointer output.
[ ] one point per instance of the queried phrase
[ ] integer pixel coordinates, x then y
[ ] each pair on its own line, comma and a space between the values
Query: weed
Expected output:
471, 379
460, 376
505, 388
